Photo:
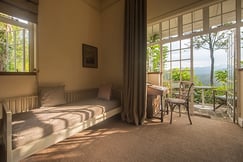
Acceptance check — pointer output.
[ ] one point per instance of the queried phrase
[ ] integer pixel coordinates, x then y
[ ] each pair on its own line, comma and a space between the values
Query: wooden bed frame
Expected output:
19, 153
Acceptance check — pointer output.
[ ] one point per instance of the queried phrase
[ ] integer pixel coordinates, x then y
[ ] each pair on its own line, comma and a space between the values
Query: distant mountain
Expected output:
203, 73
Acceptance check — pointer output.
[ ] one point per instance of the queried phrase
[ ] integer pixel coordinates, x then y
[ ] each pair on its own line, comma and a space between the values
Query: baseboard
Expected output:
240, 122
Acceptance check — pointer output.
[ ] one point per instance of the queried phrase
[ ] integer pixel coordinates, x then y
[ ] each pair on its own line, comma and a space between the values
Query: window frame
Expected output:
31, 27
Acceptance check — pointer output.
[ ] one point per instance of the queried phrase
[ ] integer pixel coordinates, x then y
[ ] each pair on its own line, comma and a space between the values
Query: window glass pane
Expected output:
167, 46
187, 18
229, 18
197, 15
215, 10
166, 52
165, 34
19, 35
149, 32
175, 64
186, 64
167, 65
215, 22
19, 58
174, 32
167, 75
228, 6
185, 43
241, 15
185, 54
173, 23
153, 58
187, 29
156, 29
185, 74
198, 26
165, 25
176, 71
241, 47
15, 44
175, 55
175, 45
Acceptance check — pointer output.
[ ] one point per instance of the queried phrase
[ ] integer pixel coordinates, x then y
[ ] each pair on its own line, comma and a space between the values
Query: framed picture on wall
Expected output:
90, 56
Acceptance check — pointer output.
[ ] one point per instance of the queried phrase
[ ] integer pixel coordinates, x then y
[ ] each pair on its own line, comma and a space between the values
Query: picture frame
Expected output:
89, 56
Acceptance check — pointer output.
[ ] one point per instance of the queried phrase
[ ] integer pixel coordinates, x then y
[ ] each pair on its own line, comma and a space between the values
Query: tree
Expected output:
212, 42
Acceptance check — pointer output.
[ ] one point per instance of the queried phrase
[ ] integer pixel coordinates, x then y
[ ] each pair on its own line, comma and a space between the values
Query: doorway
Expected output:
214, 75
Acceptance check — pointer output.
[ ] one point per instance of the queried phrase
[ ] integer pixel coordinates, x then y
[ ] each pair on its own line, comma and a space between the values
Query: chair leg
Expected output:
214, 101
189, 115
162, 115
172, 107
179, 110
171, 112
167, 108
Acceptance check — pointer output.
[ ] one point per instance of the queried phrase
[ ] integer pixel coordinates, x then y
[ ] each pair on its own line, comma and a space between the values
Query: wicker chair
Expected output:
184, 97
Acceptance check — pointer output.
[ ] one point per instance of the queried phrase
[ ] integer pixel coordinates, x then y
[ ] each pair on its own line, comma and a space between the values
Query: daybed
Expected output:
28, 128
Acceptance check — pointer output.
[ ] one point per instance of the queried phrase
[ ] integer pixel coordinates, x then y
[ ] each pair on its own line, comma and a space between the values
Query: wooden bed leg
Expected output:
7, 133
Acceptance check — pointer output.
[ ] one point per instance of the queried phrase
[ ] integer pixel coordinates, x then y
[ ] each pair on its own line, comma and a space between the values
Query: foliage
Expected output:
184, 75
221, 76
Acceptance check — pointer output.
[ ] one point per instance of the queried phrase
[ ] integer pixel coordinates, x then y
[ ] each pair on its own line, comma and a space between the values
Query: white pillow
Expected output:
105, 92
52, 96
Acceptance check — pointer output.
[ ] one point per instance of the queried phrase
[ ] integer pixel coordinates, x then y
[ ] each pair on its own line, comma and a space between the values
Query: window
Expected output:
170, 28
223, 13
192, 22
16, 45
241, 10
153, 33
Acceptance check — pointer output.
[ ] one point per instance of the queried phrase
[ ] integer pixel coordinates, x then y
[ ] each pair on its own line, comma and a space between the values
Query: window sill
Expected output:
17, 73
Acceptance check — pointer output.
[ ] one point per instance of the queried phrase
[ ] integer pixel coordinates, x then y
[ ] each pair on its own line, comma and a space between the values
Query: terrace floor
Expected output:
218, 114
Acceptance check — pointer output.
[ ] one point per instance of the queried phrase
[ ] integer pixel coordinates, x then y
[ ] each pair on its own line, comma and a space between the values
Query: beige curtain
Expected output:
134, 92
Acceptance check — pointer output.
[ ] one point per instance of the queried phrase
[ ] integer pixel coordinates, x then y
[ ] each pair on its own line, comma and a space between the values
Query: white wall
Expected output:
17, 85
112, 42
63, 27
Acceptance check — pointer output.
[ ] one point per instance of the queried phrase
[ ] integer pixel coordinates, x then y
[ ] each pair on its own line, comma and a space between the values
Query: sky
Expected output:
202, 58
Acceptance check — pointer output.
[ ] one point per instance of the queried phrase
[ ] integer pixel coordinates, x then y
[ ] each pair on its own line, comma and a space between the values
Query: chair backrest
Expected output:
186, 90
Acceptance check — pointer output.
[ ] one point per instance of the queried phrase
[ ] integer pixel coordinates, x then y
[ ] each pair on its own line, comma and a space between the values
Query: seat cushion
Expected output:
175, 100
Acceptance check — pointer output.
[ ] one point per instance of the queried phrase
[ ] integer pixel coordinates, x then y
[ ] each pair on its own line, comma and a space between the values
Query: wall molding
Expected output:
93, 5
100, 6
108, 5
